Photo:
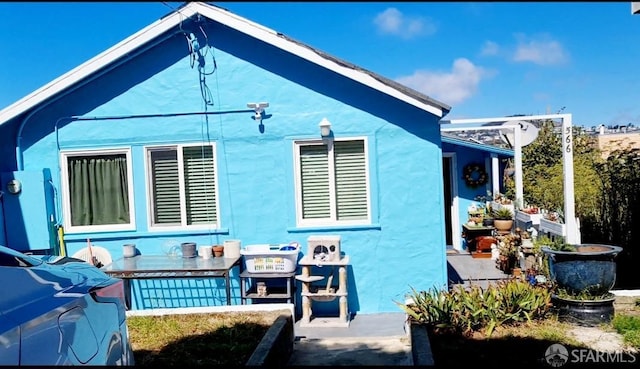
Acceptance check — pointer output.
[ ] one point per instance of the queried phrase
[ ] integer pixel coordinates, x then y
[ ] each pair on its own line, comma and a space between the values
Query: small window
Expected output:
332, 186
97, 189
182, 186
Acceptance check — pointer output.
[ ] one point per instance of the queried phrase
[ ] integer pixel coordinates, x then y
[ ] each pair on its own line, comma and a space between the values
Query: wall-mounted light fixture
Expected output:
258, 108
325, 128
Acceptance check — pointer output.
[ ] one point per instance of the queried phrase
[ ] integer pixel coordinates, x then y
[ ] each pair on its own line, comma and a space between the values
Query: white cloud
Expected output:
449, 87
393, 22
489, 48
543, 51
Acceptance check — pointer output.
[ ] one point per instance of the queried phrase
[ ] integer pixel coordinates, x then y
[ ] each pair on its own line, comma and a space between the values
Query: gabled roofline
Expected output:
240, 24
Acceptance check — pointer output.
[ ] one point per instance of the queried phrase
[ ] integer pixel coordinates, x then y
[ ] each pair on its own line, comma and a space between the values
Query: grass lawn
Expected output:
523, 346
229, 339
186, 340
519, 346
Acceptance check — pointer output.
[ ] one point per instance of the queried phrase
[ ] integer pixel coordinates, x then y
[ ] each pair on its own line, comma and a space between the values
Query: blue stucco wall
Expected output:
404, 246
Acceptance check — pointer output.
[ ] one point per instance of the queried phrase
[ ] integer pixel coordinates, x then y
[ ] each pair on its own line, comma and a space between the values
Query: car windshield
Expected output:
12, 258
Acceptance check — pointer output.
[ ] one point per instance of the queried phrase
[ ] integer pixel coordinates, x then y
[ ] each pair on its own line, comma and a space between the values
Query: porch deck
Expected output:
462, 268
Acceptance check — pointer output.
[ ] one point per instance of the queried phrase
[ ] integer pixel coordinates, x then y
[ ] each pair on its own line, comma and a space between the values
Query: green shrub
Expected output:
471, 309
629, 327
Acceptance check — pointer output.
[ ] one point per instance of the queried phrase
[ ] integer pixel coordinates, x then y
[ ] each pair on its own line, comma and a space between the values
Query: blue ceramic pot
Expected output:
590, 268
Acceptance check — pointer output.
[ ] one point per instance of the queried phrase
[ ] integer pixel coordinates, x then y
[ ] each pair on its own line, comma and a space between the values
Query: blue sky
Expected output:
485, 59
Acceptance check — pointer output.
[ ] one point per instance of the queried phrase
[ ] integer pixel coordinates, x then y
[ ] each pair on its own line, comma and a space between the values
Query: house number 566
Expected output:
567, 139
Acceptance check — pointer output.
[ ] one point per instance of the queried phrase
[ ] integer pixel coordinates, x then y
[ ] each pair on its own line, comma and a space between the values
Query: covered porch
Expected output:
458, 195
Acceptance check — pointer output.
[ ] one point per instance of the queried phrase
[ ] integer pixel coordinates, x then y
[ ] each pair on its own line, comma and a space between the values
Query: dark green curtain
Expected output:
98, 190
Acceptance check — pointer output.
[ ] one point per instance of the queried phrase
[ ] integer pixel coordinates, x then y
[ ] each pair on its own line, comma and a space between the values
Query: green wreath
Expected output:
475, 175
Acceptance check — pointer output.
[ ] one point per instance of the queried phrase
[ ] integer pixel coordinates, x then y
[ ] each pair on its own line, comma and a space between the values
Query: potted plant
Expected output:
508, 252
488, 220
583, 276
503, 219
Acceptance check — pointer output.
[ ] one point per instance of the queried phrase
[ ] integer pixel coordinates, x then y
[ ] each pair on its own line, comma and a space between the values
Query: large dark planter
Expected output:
590, 268
588, 313
590, 271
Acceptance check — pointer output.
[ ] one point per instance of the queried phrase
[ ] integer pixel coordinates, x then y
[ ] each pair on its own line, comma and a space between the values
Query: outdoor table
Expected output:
170, 267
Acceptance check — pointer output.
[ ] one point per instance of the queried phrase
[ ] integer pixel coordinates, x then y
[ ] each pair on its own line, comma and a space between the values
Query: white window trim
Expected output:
300, 222
66, 203
147, 174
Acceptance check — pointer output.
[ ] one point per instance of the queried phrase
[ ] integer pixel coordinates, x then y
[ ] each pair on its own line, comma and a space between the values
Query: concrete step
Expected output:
355, 351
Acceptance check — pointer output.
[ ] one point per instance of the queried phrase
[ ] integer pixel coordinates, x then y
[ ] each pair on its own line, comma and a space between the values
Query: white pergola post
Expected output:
495, 174
517, 159
573, 233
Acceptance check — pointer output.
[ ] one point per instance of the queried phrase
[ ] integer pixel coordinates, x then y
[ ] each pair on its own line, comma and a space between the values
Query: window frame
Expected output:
332, 220
152, 226
66, 196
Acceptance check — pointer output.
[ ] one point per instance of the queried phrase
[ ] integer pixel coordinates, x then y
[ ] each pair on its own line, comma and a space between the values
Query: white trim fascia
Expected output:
506, 119
222, 16
94, 64
274, 38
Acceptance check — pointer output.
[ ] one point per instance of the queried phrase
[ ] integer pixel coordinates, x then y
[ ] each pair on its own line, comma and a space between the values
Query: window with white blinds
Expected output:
183, 186
332, 182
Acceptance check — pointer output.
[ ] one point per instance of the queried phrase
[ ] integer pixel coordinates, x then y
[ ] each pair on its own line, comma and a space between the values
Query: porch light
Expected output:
325, 128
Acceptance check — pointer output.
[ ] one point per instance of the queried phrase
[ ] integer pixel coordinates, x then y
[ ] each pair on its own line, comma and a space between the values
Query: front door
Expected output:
448, 198
450, 202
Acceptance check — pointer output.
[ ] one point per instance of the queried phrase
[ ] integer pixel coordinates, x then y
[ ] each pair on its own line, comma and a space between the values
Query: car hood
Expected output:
40, 288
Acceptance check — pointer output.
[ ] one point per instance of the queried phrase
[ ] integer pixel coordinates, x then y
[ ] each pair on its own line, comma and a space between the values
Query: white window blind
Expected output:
315, 181
351, 180
200, 185
183, 186
332, 180
166, 187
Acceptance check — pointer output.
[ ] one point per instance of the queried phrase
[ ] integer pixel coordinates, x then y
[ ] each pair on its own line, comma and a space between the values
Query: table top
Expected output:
165, 263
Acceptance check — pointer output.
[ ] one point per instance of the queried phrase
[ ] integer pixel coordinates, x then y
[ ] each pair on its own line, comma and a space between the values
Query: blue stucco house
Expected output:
205, 126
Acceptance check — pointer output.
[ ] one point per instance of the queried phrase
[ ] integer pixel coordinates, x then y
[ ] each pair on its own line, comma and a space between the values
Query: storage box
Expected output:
269, 258
324, 248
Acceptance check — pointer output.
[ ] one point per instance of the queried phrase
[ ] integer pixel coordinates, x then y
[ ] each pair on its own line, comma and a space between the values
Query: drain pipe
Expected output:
76, 118
112, 66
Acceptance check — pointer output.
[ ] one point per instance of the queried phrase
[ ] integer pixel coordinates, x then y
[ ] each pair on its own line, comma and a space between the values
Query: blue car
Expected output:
60, 311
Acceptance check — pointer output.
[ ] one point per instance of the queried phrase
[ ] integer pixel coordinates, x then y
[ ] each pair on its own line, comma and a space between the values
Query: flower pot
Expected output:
218, 250
503, 225
590, 268
589, 313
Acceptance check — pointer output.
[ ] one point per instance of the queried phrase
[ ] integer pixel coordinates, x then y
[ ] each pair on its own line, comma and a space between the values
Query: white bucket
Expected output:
232, 249
129, 250
205, 252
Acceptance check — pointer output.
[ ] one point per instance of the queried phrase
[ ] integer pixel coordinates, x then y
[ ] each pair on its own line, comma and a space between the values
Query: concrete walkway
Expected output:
371, 339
